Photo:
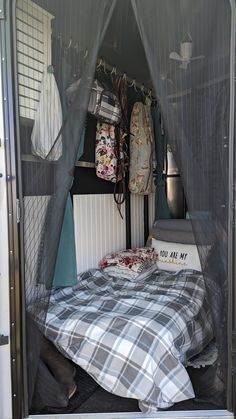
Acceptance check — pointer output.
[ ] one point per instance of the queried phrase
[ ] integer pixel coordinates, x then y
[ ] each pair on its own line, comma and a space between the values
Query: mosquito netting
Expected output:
179, 48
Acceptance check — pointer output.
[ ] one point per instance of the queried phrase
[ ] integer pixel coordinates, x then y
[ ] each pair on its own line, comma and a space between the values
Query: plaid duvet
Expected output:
133, 337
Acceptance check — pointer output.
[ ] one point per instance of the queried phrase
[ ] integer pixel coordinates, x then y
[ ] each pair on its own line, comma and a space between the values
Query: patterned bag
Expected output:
121, 130
104, 105
141, 150
105, 152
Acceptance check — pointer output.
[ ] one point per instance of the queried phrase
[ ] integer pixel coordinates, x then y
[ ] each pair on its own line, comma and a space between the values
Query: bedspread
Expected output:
133, 337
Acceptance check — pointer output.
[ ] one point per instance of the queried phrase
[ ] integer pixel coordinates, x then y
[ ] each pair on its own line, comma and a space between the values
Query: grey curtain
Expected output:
194, 97
46, 183
161, 205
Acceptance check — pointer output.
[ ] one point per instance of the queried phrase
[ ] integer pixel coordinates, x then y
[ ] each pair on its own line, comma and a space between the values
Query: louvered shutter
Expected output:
33, 37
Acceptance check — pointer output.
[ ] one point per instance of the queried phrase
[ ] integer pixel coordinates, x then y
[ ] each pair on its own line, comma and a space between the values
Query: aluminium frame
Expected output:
14, 194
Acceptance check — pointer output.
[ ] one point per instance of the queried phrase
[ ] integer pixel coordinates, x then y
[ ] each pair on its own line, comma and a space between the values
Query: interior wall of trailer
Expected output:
99, 229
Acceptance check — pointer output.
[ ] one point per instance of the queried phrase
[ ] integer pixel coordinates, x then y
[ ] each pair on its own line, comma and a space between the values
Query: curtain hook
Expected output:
69, 45
113, 71
133, 84
142, 88
99, 65
104, 66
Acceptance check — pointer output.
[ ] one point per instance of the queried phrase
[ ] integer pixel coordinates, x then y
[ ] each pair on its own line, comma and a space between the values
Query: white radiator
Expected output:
99, 229
137, 220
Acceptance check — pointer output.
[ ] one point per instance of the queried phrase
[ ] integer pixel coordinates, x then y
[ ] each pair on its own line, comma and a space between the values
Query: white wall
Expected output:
5, 366
137, 220
99, 228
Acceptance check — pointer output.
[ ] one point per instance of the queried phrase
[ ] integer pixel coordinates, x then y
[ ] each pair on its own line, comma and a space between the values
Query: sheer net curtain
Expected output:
194, 97
47, 181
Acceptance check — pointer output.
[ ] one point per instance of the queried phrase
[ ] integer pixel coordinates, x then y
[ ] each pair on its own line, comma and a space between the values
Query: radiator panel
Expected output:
99, 229
137, 220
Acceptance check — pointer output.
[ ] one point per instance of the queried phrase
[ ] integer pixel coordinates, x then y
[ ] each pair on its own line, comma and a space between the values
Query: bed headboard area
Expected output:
178, 247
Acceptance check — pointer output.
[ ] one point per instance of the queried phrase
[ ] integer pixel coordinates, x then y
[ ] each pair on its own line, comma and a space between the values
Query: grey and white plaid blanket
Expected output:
133, 337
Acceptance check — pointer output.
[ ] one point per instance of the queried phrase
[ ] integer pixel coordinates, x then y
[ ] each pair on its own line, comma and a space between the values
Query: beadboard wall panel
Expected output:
137, 220
99, 229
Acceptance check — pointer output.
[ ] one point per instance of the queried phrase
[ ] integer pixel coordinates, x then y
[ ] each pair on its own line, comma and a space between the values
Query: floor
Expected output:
91, 398
102, 401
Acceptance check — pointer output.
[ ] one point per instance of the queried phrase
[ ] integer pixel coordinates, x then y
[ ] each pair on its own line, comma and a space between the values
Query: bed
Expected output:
134, 337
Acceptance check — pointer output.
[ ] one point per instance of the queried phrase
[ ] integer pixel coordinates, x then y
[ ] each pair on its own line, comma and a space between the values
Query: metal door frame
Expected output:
15, 290
231, 382
17, 309
5, 347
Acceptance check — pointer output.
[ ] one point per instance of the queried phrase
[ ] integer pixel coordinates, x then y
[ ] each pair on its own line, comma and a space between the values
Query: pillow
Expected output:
177, 231
176, 256
130, 263
181, 231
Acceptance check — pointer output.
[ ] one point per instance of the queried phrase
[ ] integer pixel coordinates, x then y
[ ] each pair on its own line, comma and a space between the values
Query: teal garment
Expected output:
65, 274
161, 205
66, 270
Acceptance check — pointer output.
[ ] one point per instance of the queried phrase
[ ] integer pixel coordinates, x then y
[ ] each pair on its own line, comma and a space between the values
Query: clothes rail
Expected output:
102, 65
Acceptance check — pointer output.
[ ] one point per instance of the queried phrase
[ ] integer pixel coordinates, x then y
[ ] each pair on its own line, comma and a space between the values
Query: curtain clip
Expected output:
150, 94
113, 71
142, 88
133, 84
104, 66
100, 63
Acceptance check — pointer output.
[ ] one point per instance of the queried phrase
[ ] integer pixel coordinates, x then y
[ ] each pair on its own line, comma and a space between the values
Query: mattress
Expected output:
133, 337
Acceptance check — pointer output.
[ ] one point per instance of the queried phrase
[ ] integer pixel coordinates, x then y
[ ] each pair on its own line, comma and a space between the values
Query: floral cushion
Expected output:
129, 263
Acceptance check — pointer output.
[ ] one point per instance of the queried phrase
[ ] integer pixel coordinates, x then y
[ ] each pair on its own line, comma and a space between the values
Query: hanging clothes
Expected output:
121, 130
141, 149
46, 129
161, 205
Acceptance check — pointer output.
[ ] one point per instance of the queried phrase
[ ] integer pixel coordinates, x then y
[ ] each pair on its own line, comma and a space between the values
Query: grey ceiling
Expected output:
122, 45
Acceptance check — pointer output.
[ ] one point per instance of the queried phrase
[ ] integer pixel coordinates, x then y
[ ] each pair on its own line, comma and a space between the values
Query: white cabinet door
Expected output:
33, 46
